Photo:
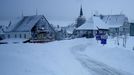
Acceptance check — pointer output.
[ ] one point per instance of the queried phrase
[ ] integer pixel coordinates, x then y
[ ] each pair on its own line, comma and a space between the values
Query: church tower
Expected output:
81, 19
81, 12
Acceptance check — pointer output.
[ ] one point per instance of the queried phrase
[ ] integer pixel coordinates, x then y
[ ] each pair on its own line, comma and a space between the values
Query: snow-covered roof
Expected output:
70, 30
115, 20
99, 23
25, 23
108, 21
93, 24
88, 25
12, 23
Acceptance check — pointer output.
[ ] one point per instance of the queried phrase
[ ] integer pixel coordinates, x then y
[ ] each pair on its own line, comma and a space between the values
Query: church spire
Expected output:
81, 19
81, 11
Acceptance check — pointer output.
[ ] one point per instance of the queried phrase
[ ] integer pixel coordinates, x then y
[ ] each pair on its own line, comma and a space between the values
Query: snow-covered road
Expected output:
93, 66
79, 56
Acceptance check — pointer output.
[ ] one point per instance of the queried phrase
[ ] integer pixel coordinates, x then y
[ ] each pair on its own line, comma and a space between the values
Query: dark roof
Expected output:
81, 12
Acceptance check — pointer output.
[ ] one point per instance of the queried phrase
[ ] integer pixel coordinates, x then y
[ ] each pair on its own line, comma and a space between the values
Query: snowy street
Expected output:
69, 57
66, 37
94, 67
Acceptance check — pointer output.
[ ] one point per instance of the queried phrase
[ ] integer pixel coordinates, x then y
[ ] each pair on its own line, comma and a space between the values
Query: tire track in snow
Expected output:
94, 67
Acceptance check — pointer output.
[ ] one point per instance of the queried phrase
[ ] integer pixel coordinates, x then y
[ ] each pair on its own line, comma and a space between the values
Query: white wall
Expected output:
25, 35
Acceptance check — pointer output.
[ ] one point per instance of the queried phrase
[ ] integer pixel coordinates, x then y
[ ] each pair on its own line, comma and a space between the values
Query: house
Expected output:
100, 24
69, 31
88, 29
60, 32
92, 26
118, 23
131, 29
110, 24
34, 27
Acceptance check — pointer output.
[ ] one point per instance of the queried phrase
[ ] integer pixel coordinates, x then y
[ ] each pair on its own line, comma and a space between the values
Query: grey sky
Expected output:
64, 9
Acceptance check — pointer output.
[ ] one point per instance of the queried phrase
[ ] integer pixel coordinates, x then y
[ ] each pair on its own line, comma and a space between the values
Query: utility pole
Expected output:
22, 14
36, 11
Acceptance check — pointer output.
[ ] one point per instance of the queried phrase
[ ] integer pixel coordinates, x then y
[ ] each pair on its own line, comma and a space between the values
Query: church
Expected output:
81, 19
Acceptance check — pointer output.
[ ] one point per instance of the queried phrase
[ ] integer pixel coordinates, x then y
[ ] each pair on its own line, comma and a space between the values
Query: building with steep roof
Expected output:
119, 24
31, 27
111, 24
81, 19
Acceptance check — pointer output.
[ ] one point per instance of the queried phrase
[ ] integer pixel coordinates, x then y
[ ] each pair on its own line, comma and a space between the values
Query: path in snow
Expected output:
94, 67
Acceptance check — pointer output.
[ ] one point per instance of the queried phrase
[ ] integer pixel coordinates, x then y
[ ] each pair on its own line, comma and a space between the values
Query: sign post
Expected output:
104, 39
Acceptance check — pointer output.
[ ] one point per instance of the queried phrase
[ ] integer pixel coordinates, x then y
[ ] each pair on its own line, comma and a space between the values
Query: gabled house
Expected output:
92, 26
88, 29
110, 24
119, 23
60, 32
31, 27
101, 25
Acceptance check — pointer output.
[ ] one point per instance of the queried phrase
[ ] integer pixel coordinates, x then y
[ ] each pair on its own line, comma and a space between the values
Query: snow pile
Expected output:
113, 55
13, 41
130, 44
118, 58
112, 42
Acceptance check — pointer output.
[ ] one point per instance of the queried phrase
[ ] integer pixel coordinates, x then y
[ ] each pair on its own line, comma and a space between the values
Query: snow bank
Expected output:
13, 40
56, 58
39, 59
113, 55
112, 42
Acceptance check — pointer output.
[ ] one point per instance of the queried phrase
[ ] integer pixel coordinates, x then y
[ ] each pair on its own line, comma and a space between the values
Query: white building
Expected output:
102, 23
119, 23
29, 27
88, 29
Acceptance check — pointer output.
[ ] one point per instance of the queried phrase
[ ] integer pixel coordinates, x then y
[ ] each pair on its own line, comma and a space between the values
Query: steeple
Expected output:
81, 11
81, 19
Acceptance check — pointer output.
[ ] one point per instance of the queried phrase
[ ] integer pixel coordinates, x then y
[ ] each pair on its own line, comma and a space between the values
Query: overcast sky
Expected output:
64, 9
